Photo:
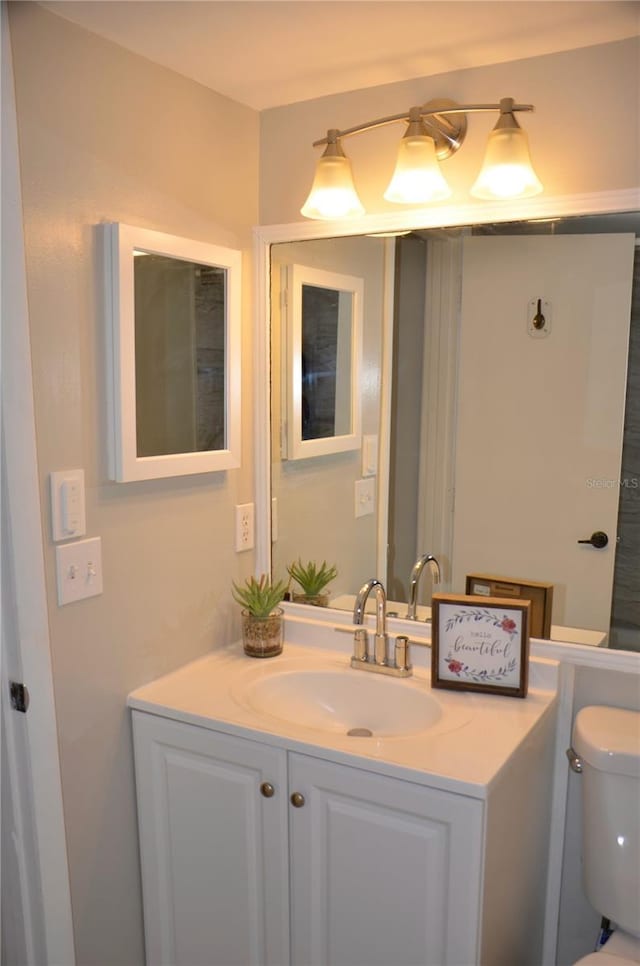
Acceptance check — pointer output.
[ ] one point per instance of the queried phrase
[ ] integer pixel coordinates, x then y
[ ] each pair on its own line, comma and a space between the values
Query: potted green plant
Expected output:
313, 580
261, 616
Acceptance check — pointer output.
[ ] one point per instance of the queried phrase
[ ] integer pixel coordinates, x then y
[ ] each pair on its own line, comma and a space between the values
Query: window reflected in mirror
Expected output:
326, 362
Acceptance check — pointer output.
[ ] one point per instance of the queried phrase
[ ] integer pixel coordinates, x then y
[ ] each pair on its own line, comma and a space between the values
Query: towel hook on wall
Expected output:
539, 317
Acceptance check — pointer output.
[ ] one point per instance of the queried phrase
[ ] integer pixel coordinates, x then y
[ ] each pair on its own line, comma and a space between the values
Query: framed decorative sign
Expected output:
480, 644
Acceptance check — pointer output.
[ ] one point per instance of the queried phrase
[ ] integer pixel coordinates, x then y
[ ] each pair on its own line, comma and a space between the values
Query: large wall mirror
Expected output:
174, 312
503, 442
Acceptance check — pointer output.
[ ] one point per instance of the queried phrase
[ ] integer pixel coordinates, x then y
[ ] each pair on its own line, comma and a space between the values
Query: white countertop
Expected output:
463, 753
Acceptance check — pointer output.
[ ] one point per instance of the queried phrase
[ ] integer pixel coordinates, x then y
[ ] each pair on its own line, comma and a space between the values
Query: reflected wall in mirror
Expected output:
500, 450
179, 346
321, 378
315, 496
175, 355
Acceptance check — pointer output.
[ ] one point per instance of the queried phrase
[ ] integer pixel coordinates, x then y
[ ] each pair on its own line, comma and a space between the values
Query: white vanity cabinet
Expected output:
383, 871
213, 849
338, 867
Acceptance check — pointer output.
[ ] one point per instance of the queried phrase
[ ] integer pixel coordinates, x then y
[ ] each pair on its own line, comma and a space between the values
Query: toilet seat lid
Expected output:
608, 739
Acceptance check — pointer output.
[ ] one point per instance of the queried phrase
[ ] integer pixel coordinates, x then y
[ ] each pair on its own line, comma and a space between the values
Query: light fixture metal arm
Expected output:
430, 109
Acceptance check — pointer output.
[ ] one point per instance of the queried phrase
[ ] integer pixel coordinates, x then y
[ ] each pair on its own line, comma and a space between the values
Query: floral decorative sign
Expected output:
480, 644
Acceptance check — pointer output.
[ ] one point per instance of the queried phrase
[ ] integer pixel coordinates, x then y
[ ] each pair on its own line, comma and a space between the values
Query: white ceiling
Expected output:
266, 53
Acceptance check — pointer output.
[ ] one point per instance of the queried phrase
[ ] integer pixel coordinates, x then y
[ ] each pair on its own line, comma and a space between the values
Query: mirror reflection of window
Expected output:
326, 362
180, 355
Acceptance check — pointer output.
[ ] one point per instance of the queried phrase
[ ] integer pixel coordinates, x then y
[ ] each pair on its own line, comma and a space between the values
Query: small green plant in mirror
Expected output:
313, 580
259, 597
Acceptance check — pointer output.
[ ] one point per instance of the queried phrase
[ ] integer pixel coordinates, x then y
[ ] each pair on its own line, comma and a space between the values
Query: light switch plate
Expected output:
365, 496
79, 570
67, 505
369, 455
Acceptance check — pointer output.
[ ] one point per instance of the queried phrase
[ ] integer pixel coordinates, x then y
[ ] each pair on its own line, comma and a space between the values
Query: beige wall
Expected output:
583, 135
108, 136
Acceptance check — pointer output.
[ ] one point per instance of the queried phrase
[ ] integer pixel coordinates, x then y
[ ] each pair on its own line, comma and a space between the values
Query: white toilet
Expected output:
607, 743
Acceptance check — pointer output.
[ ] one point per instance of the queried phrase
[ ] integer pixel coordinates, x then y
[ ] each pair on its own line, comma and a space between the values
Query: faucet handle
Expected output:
402, 658
360, 644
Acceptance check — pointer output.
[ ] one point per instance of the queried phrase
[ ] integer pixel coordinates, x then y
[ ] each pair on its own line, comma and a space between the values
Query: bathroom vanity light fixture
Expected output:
434, 132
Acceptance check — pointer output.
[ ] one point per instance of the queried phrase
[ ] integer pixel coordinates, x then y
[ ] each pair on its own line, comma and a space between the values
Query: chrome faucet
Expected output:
414, 579
380, 660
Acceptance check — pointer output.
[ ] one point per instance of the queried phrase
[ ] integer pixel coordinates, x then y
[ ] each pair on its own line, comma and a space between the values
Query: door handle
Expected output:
598, 539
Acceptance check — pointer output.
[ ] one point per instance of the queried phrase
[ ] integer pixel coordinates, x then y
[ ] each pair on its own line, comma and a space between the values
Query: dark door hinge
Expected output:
19, 696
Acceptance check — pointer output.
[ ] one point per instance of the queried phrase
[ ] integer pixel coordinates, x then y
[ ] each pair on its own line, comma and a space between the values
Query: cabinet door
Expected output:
213, 848
382, 871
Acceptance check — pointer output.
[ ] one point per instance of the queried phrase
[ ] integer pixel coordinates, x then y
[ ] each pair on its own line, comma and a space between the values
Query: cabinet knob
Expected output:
297, 800
267, 790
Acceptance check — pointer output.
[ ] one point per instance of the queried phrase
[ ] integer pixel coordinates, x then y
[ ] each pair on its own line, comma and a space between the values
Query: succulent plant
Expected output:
312, 578
259, 597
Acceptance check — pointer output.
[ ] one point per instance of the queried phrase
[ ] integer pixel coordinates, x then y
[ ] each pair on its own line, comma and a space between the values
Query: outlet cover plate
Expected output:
365, 493
245, 530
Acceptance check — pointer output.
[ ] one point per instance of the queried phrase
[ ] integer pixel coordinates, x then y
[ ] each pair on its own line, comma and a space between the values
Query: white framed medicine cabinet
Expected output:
173, 310
322, 361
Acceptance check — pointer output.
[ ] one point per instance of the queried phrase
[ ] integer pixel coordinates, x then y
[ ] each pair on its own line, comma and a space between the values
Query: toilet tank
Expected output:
608, 742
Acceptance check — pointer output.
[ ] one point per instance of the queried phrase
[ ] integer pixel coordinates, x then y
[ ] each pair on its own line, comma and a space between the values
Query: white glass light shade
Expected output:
417, 177
333, 193
507, 171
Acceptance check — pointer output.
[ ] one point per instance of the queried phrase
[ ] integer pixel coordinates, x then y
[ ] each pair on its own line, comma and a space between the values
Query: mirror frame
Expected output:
124, 463
545, 207
297, 276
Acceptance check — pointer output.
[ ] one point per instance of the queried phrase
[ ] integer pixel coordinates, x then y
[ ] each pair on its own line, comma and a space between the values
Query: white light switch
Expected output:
67, 505
365, 496
79, 570
369, 455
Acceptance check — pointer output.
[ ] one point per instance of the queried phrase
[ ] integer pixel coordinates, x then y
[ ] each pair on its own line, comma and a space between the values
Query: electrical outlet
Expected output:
365, 492
245, 539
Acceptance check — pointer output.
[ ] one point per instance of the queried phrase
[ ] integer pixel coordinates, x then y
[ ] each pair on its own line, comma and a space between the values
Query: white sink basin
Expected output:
344, 701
